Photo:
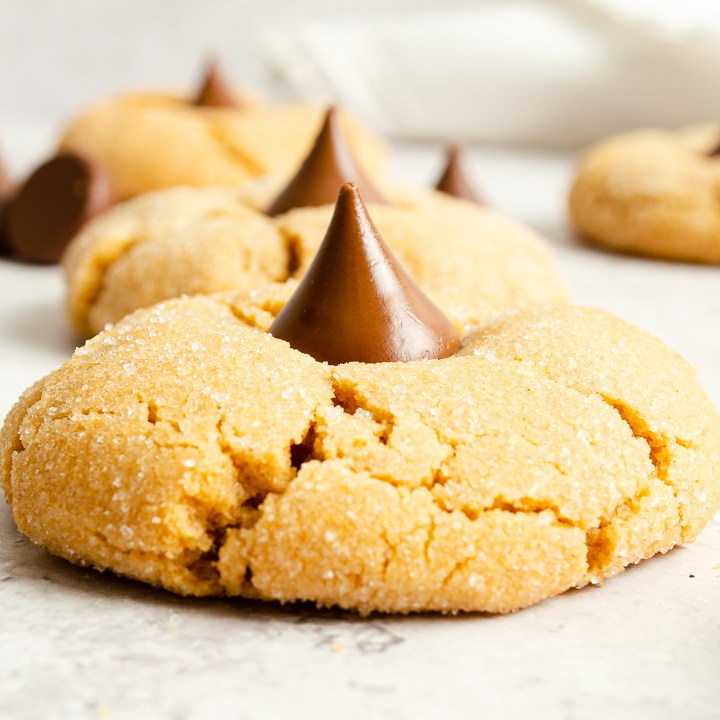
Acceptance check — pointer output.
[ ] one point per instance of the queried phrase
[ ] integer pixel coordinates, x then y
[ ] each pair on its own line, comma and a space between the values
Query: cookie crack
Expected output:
305, 450
601, 545
348, 397
293, 249
390, 553
523, 505
226, 449
600, 541
457, 568
658, 444
251, 509
429, 540
200, 563
532, 506
205, 566
267, 305
100, 269
154, 416
659, 453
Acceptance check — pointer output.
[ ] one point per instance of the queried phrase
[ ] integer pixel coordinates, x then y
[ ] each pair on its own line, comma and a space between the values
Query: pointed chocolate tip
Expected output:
454, 180
714, 151
214, 91
328, 166
356, 303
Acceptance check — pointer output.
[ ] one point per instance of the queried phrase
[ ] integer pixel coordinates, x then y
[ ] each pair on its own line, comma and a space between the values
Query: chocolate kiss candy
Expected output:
214, 90
53, 204
6, 187
357, 303
453, 180
328, 166
6, 181
714, 152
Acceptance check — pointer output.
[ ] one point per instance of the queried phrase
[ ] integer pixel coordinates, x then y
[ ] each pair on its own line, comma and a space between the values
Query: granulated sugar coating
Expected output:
472, 262
188, 449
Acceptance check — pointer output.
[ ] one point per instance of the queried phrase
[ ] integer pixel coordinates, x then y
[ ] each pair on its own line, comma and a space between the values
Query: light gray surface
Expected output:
75, 644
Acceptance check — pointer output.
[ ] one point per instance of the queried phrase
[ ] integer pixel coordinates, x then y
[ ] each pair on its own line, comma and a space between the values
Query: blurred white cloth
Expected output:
547, 74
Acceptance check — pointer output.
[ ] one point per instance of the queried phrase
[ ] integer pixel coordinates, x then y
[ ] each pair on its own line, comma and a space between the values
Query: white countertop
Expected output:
77, 644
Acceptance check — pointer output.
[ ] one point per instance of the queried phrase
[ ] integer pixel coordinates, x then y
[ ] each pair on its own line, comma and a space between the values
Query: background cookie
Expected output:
471, 261
152, 141
189, 450
652, 192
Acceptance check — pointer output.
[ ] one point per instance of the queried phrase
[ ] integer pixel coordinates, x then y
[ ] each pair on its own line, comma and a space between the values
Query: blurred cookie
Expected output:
471, 261
652, 192
155, 140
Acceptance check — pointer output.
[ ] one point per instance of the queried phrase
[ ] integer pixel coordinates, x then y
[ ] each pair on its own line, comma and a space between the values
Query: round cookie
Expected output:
152, 141
652, 192
188, 449
471, 261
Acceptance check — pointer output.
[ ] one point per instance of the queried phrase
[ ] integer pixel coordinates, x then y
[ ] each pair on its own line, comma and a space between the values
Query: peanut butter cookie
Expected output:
148, 141
652, 192
189, 450
193, 447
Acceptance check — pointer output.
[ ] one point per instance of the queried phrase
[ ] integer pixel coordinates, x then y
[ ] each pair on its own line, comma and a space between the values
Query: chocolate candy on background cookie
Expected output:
189, 448
329, 165
214, 91
454, 180
53, 204
715, 150
7, 186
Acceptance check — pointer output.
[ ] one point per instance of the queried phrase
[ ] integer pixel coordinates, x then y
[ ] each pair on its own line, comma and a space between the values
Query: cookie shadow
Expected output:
571, 239
29, 564
41, 326
24, 562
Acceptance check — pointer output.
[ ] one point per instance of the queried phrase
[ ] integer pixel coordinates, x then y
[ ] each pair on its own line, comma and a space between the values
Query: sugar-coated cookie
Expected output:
652, 192
338, 440
188, 449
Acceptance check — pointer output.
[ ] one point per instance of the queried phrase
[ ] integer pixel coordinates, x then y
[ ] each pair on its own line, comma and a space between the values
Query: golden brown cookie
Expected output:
471, 261
652, 192
189, 449
152, 141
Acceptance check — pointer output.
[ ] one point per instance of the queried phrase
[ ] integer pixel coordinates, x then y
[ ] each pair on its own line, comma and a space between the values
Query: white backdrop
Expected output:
547, 73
